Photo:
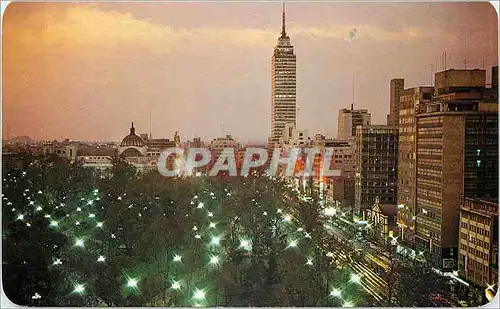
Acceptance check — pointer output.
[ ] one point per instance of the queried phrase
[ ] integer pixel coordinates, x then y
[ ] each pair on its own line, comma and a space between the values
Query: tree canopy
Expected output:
73, 238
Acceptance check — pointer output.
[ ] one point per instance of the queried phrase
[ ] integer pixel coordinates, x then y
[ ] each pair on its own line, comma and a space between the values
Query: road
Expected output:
365, 260
371, 281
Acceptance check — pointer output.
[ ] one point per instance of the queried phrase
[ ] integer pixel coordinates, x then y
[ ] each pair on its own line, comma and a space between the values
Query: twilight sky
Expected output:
85, 71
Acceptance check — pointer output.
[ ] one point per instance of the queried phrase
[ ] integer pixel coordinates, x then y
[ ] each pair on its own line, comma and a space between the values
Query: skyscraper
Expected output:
411, 100
457, 156
376, 166
349, 119
397, 86
284, 85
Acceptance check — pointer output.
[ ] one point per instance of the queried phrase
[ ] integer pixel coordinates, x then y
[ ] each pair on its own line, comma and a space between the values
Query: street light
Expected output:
177, 258
176, 285
214, 260
215, 241
79, 288
132, 283
79, 242
199, 294
336, 293
292, 243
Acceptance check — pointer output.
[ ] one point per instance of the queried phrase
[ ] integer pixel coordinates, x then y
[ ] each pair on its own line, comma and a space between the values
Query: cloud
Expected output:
83, 28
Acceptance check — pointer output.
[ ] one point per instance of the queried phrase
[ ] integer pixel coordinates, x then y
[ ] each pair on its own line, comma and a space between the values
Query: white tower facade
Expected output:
284, 85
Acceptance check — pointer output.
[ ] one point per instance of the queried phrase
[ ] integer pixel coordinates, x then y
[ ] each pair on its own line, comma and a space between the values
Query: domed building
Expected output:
132, 145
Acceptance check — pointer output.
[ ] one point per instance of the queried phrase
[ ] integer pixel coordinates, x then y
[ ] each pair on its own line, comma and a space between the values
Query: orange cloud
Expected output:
83, 28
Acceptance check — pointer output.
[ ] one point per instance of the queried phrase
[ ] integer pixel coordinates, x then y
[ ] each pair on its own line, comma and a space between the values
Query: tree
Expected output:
153, 241
417, 284
410, 283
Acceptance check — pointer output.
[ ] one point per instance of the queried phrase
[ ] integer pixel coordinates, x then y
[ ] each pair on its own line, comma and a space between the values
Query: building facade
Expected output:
284, 85
349, 119
410, 102
383, 221
376, 166
397, 86
457, 155
97, 158
340, 190
217, 145
478, 254
132, 145
294, 137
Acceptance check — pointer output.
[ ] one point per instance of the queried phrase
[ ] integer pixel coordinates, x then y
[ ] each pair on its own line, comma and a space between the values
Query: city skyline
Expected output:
211, 76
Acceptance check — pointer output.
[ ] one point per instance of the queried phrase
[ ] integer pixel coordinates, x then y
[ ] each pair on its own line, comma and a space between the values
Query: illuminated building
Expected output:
383, 220
410, 101
341, 189
478, 254
376, 166
457, 155
284, 85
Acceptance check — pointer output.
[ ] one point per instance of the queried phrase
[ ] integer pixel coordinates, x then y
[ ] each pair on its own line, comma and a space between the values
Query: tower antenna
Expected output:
283, 29
432, 71
353, 92
445, 59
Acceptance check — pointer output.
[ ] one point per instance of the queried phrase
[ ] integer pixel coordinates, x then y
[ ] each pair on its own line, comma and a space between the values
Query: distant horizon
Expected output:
84, 71
117, 141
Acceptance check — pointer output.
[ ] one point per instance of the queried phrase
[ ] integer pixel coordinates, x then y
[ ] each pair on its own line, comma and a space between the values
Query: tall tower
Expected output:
284, 85
397, 86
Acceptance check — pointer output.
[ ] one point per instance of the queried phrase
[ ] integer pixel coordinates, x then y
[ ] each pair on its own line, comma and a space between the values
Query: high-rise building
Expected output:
397, 86
478, 255
410, 101
459, 81
341, 188
284, 85
349, 119
376, 166
457, 156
